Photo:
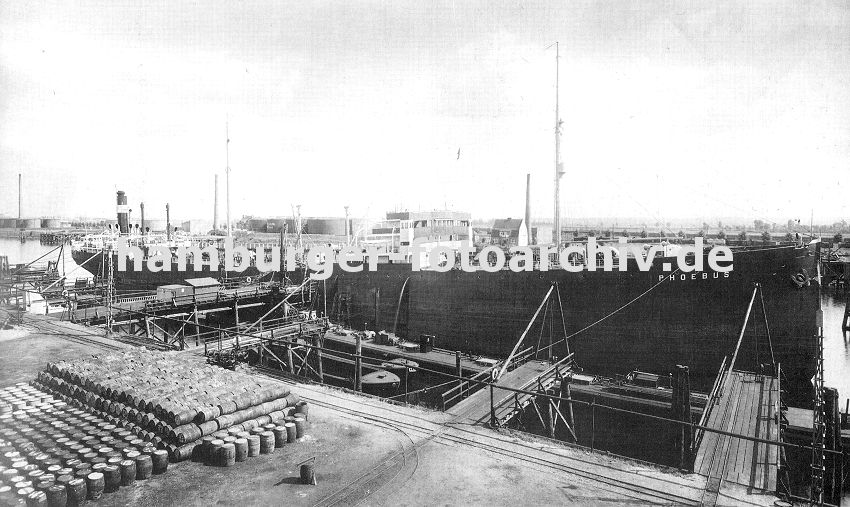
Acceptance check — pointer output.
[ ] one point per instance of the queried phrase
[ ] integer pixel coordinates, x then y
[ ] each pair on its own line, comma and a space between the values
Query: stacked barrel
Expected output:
85, 427
54, 453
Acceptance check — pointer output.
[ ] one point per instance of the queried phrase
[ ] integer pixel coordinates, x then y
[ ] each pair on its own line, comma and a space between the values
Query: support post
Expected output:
320, 343
593, 424
358, 364
492, 409
197, 328
459, 372
289, 357
572, 415
681, 411
552, 419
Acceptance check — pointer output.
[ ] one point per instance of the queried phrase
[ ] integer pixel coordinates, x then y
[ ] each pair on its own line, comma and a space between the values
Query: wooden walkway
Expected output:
748, 404
528, 376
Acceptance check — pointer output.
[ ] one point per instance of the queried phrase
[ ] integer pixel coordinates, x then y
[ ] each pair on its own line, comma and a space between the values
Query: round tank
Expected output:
8, 223
330, 226
275, 224
257, 224
155, 224
51, 223
29, 223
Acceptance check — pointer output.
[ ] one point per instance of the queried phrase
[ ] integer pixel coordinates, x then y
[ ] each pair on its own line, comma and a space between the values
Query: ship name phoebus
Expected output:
704, 275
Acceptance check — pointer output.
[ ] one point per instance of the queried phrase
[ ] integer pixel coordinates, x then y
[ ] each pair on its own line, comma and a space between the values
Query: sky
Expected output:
670, 109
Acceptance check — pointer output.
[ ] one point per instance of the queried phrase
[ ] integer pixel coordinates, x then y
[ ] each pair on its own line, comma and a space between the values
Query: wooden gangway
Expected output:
500, 405
746, 404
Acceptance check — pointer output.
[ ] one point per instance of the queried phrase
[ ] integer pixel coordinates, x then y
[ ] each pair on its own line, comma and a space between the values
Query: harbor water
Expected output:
836, 346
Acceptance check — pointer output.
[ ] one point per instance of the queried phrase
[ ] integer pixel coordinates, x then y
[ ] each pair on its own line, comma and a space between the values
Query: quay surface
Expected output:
369, 450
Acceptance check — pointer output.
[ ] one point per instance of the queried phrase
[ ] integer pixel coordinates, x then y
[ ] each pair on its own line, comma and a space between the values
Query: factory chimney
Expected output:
215, 205
528, 206
142, 226
347, 229
123, 212
20, 198
167, 222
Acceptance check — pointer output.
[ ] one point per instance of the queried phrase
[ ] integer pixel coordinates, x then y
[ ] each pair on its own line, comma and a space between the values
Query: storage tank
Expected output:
325, 225
275, 224
359, 226
257, 224
51, 223
29, 223
8, 223
156, 224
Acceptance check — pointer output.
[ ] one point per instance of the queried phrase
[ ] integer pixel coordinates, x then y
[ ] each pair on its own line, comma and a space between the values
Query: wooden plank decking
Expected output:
748, 405
476, 408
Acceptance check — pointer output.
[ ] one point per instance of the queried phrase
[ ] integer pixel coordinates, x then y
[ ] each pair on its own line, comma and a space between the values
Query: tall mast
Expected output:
215, 205
227, 172
559, 167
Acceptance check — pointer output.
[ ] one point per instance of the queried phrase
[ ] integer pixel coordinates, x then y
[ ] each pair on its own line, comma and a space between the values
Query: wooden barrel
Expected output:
77, 492
206, 448
111, 478
291, 432
279, 436
254, 445
209, 427
300, 427
144, 466
160, 461
186, 451
186, 433
308, 473
94, 485
292, 399
266, 442
302, 408
227, 455
128, 471
277, 417
227, 407
35, 499
214, 451
241, 447
57, 496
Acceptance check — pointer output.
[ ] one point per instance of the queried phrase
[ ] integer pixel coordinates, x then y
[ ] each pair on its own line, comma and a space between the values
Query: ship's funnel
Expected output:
123, 212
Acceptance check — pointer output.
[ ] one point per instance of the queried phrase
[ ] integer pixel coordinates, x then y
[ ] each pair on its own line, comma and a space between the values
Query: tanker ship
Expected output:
621, 320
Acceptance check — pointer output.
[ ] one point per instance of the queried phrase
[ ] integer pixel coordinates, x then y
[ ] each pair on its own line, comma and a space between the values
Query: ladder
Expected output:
818, 429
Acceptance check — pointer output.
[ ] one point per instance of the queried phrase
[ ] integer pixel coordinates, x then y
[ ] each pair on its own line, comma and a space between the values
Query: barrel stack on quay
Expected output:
87, 427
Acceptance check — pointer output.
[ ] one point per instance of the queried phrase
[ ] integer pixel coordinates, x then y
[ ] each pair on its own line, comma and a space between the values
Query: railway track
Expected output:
53, 328
452, 434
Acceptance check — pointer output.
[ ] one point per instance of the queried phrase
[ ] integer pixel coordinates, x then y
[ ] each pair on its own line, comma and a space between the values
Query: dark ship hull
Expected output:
693, 319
